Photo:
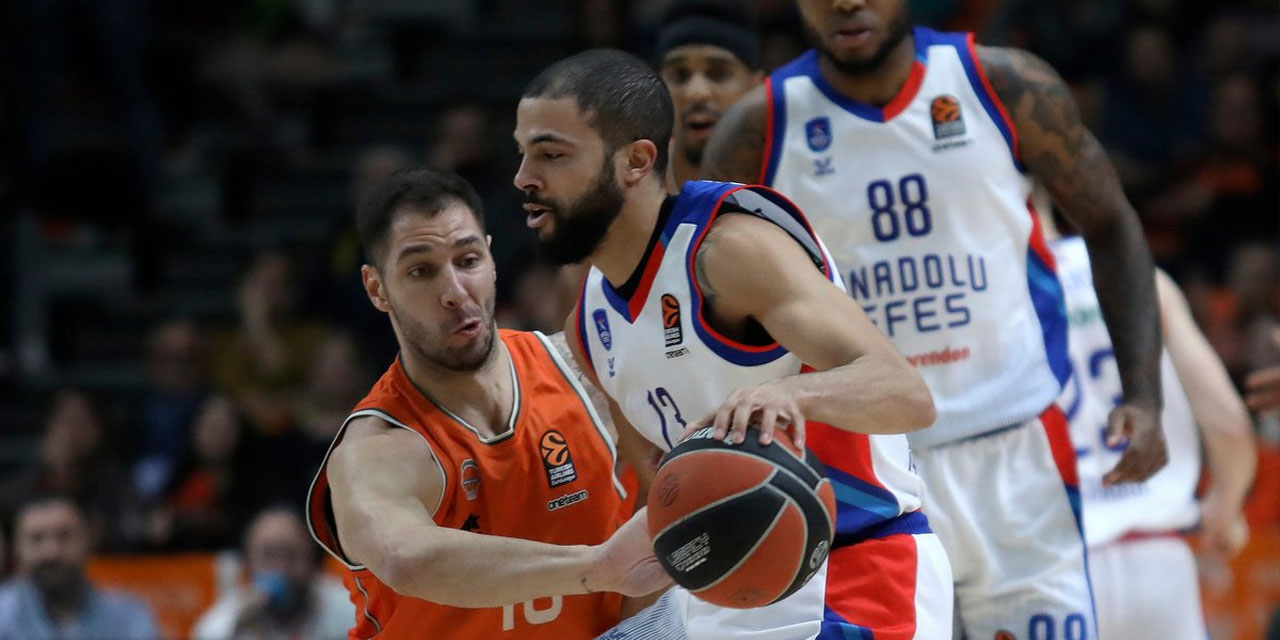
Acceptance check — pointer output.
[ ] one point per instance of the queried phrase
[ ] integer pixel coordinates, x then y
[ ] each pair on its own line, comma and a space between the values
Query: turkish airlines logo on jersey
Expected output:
602, 328
671, 332
470, 475
817, 132
556, 459
947, 121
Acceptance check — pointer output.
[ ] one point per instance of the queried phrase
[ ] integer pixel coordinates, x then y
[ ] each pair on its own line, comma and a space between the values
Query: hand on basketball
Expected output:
1146, 453
625, 562
1223, 525
768, 406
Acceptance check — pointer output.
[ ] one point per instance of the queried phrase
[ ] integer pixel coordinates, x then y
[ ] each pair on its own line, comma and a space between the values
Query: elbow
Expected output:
924, 412
402, 569
919, 408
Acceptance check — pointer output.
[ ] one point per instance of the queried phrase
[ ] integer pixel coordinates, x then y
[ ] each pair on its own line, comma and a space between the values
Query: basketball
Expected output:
741, 525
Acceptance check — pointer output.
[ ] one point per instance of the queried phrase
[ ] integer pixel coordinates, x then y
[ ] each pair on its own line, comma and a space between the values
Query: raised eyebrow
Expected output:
467, 241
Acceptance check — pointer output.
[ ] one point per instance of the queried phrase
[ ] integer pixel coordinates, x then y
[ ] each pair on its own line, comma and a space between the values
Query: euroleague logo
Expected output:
1004, 635
671, 332
947, 121
556, 459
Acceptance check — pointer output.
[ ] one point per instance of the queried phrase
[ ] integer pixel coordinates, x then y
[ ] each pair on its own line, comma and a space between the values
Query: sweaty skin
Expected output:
1063, 156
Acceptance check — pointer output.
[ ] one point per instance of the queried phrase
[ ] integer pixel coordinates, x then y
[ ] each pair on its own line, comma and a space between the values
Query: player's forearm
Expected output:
463, 569
1123, 275
1232, 461
873, 394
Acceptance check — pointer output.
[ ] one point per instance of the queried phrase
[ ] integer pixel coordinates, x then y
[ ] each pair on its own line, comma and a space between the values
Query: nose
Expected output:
699, 88
524, 179
454, 294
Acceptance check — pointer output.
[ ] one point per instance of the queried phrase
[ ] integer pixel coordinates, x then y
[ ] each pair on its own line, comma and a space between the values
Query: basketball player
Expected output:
1144, 575
917, 155
471, 493
708, 53
707, 306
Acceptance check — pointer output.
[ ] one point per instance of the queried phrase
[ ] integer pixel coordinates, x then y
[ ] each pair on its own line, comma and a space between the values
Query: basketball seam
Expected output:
762, 483
817, 479
764, 536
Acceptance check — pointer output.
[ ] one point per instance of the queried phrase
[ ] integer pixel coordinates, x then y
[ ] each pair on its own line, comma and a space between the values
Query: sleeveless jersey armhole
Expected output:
320, 506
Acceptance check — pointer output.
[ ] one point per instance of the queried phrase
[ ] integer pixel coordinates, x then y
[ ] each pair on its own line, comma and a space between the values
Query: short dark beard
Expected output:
694, 156
898, 29
415, 339
581, 226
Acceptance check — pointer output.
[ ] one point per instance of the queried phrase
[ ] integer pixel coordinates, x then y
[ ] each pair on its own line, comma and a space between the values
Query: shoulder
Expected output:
218, 621
1018, 76
741, 252
10, 596
126, 609
736, 148
370, 437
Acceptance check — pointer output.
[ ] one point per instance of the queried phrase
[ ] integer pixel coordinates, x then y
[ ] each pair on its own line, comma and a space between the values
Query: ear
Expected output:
489, 240
373, 287
641, 155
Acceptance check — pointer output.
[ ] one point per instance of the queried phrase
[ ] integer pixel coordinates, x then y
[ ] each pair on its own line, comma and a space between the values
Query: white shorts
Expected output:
1147, 589
1006, 506
678, 615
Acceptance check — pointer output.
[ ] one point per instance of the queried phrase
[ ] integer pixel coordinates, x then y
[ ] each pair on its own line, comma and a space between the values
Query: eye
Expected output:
718, 74
551, 155
469, 261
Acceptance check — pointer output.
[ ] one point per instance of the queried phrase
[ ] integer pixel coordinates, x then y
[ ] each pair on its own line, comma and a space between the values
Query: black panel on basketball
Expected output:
736, 525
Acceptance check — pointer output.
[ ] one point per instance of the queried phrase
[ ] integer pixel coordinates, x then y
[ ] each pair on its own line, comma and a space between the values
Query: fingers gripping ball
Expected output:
741, 525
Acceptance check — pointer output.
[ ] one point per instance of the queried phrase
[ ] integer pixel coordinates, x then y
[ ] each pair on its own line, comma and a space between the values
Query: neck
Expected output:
682, 169
63, 604
482, 397
622, 248
876, 87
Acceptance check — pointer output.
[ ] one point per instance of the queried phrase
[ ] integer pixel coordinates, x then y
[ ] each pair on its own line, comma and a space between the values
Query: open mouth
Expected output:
469, 329
853, 36
536, 215
701, 123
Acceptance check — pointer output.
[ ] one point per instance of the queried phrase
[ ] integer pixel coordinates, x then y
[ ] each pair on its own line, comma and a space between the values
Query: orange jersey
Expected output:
549, 477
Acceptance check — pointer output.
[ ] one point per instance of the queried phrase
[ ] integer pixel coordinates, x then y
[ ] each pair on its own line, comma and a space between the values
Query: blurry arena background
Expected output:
184, 327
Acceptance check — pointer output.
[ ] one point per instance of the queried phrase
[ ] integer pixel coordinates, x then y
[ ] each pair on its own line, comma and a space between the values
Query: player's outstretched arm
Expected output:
1223, 419
735, 152
1057, 148
385, 484
749, 268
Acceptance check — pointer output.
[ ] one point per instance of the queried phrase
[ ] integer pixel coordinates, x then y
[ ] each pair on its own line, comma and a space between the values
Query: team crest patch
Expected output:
602, 328
671, 332
556, 459
470, 478
817, 132
945, 113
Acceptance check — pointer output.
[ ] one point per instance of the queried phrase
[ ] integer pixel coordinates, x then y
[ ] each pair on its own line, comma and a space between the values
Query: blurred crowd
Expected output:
177, 184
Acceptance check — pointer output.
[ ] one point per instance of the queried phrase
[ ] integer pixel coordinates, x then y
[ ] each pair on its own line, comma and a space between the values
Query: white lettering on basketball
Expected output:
691, 554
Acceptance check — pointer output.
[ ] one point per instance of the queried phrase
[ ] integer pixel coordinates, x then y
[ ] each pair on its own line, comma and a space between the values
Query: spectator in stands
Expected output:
1232, 179
73, 460
52, 598
214, 487
288, 596
1155, 112
1264, 384
177, 384
335, 383
263, 361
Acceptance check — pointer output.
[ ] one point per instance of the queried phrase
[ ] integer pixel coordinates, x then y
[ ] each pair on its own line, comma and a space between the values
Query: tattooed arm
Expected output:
1062, 155
736, 149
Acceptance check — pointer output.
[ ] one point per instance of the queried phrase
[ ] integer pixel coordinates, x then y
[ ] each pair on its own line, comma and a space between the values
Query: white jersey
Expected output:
666, 367
1165, 502
927, 207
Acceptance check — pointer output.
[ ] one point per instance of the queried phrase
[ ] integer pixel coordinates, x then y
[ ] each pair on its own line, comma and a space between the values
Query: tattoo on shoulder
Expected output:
736, 149
1052, 141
